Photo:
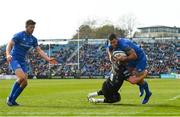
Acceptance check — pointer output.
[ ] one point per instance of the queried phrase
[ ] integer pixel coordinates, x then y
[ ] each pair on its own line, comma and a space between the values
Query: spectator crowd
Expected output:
163, 57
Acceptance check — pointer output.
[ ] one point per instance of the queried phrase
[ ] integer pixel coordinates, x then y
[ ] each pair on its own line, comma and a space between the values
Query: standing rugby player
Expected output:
16, 51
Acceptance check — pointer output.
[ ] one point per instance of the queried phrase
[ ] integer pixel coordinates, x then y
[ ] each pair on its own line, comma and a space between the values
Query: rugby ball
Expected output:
118, 53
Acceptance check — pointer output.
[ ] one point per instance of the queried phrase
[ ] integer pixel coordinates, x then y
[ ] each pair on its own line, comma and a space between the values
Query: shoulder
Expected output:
125, 41
122, 41
124, 44
19, 34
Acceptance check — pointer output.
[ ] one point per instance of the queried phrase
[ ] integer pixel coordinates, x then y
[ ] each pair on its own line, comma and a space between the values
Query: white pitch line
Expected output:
176, 97
66, 113
87, 113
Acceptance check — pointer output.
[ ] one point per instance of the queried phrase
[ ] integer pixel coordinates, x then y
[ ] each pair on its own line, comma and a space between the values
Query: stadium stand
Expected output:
163, 57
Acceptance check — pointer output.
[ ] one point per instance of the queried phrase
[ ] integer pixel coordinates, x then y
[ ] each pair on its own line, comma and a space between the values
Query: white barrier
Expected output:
178, 76
8, 77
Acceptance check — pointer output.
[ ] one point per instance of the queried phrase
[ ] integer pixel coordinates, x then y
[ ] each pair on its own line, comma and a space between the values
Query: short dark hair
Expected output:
30, 22
112, 36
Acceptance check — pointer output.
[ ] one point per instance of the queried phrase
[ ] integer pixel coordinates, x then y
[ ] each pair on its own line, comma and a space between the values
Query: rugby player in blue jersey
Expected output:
136, 60
16, 51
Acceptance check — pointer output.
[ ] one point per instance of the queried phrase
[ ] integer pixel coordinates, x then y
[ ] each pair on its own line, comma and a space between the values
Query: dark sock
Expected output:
105, 100
100, 92
17, 93
140, 86
146, 87
14, 88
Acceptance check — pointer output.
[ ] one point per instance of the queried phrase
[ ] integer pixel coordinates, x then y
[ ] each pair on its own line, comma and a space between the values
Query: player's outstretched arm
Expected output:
43, 55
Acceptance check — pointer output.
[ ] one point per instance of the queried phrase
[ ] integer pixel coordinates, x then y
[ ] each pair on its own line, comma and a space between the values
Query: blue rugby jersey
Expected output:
23, 42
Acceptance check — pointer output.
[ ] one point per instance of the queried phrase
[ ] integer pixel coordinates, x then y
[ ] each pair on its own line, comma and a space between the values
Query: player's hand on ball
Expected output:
117, 58
121, 58
53, 61
113, 59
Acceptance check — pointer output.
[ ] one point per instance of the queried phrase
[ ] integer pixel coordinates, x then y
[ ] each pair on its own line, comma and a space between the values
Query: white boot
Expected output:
90, 95
93, 100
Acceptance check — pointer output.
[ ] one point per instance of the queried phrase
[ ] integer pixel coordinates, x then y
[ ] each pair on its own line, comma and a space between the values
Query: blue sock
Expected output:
17, 93
141, 89
14, 88
141, 86
146, 87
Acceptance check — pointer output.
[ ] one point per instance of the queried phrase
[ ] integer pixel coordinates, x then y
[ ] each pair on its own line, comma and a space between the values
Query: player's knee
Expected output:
24, 83
21, 80
133, 82
114, 100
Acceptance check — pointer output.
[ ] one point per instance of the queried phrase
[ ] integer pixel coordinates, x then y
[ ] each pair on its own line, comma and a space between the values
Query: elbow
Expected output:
132, 57
9, 45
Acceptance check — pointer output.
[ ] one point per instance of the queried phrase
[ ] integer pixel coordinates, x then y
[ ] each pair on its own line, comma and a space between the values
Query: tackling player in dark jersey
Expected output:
111, 86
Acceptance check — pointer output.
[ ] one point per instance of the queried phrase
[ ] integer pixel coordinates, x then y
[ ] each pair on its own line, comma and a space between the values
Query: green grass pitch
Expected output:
68, 97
